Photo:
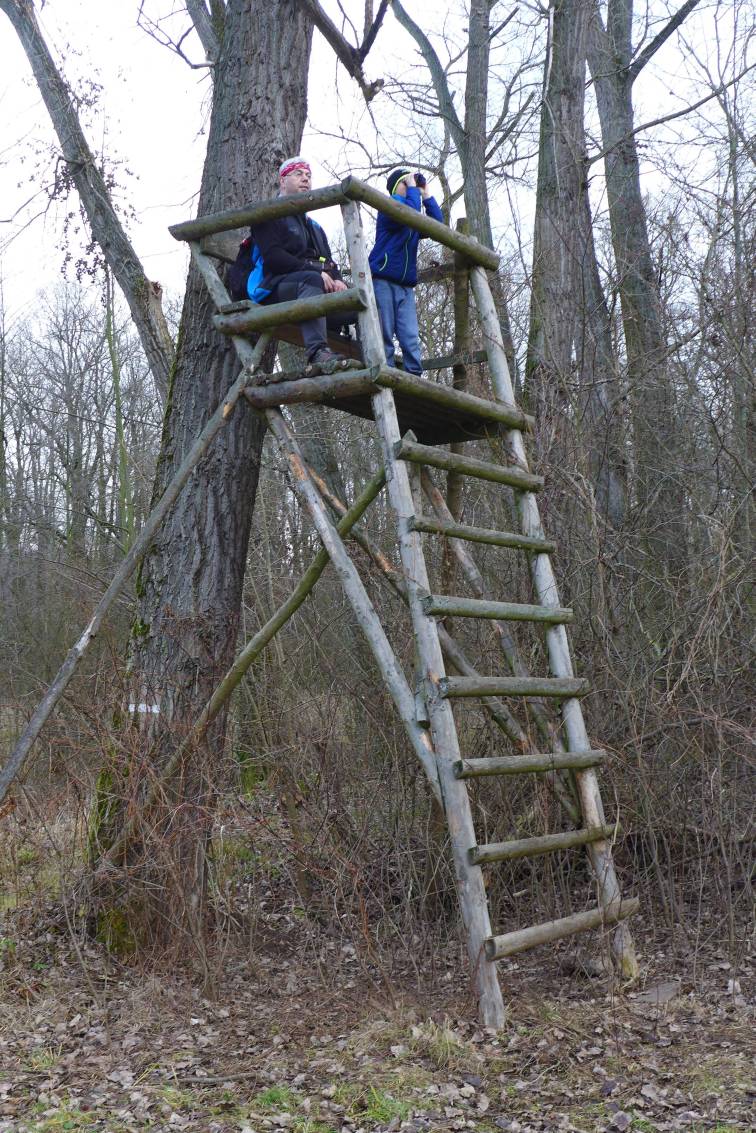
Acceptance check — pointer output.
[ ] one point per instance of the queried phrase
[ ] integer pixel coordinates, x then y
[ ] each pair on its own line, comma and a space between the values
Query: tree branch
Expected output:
651, 49
445, 104
675, 114
203, 25
348, 56
372, 32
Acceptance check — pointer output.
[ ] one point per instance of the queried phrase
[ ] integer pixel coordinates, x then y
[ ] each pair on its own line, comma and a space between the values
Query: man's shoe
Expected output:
325, 355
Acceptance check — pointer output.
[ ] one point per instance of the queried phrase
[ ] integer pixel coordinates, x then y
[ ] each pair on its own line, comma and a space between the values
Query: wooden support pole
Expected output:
451, 398
128, 564
460, 358
350, 580
446, 606
272, 209
483, 535
327, 387
349, 189
514, 686
472, 249
305, 586
523, 764
267, 316
456, 803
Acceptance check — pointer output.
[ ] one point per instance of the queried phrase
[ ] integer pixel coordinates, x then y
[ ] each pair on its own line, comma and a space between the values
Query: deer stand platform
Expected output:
415, 419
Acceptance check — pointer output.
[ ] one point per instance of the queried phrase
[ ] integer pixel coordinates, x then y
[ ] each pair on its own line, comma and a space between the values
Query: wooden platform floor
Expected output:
432, 424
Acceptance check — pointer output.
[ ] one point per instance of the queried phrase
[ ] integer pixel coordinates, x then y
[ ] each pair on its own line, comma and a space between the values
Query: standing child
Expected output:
393, 263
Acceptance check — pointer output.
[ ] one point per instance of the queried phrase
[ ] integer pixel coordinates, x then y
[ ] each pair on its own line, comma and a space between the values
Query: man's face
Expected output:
298, 181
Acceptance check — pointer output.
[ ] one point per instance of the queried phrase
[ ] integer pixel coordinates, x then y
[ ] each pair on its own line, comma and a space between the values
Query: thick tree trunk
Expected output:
190, 582
569, 321
556, 259
477, 207
658, 485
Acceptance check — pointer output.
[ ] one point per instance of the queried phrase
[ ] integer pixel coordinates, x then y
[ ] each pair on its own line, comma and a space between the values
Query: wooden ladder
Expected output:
426, 709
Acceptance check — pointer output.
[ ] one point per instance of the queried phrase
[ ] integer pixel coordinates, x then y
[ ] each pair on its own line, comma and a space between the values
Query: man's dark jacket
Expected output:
292, 243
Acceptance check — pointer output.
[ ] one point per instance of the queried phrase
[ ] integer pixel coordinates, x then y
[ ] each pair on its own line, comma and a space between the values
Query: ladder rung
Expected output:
446, 361
514, 686
467, 465
443, 605
483, 535
497, 947
532, 847
518, 764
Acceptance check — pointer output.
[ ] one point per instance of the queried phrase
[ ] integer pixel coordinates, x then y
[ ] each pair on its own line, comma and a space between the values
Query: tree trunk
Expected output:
471, 138
556, 261
658, 486
190, 582
601, 404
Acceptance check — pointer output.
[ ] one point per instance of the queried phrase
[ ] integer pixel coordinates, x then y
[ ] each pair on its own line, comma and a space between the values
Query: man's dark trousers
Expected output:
301, 285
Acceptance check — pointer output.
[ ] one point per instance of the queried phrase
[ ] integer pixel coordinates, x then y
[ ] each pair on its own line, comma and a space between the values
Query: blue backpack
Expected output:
246, 273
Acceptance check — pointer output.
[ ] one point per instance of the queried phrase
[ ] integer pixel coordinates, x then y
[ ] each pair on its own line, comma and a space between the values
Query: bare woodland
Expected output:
627, 310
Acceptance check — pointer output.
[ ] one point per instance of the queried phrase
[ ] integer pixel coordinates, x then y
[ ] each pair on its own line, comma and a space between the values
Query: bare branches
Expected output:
203, 25
373, 30
675, 114
200, 23
440, 85
142, 295
669, 28
350, 57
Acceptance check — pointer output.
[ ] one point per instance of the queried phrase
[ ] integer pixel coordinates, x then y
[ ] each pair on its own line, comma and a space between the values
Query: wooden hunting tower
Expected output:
417, 419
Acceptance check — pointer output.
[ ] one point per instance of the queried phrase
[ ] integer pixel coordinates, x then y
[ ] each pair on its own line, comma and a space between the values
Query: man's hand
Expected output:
330, 285
410, 180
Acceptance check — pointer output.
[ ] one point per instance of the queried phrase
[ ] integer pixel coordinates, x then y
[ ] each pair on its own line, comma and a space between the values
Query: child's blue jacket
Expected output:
394, 256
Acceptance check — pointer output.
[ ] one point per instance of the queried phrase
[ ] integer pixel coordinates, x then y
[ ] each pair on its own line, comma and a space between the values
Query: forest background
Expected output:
645, 445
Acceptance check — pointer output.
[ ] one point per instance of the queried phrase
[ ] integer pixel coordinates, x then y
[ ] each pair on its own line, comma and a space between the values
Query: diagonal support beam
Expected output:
370, 623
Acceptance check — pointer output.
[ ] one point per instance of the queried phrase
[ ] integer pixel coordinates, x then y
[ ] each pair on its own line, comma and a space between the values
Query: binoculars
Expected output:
420, 181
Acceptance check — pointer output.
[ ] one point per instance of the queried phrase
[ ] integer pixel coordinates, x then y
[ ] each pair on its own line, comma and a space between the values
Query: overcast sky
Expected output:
152, 115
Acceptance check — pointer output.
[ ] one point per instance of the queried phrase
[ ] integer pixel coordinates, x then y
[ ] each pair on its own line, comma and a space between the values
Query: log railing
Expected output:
350, 189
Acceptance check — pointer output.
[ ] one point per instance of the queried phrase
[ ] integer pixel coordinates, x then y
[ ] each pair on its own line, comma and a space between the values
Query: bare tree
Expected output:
568, 316
615, 66
142, 295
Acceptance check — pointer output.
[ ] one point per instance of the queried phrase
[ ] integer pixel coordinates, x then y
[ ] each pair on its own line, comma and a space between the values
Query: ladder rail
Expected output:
547, 591
456, 801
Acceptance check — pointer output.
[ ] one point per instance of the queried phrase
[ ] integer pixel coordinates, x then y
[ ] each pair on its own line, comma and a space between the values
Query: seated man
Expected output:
297, 260
393, 263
